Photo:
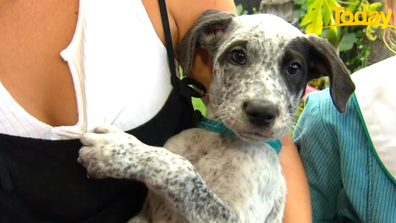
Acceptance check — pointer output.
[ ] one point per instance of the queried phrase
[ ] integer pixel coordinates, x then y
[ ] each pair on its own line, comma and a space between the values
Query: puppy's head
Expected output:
262, 65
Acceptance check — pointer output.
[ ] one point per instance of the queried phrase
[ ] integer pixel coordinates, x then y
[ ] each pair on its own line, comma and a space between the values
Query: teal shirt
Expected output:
347, 183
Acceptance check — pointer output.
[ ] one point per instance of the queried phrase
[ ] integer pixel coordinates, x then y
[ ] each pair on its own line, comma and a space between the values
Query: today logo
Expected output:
372, 18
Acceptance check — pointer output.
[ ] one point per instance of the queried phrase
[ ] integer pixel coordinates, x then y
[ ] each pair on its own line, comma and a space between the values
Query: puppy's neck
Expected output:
211, 112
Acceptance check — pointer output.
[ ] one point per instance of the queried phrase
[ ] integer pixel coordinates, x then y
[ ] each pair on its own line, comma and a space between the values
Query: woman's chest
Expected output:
56, 87
32, 36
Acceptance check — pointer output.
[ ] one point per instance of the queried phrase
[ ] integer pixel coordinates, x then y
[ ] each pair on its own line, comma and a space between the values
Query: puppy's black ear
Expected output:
324, 61
205, 33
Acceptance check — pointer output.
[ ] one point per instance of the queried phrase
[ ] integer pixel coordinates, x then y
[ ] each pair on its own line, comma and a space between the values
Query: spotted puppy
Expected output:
261, 67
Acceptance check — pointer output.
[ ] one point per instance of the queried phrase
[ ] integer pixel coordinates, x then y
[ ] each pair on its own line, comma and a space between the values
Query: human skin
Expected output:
32, 35
391, 6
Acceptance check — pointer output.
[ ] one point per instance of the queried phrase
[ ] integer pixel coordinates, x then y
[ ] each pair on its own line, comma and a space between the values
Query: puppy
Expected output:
261, 65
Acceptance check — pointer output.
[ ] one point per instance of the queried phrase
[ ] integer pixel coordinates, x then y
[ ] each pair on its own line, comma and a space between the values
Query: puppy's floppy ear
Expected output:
324, 61
205, 33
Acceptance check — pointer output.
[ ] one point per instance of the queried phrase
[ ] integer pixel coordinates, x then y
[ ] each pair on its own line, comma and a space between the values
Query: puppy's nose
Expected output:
260, 112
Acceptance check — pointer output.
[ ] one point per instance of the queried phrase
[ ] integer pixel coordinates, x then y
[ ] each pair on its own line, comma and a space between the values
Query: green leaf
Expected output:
332, 35
352, 7
378, 6
313, 20
332, 32
372, 32
327, 15
333, 3
240, 10
304, 7
309, 16
306, 20
347, 42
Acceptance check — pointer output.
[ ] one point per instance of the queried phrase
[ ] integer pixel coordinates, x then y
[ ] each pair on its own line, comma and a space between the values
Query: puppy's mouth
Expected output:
251, 136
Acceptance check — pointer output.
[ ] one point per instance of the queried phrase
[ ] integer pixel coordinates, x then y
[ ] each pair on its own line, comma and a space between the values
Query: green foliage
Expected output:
350, 41
241, 10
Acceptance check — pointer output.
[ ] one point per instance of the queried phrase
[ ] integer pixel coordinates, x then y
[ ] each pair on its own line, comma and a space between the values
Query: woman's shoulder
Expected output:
188, 11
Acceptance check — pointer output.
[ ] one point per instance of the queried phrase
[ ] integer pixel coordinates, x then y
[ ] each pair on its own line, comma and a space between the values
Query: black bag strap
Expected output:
185, 83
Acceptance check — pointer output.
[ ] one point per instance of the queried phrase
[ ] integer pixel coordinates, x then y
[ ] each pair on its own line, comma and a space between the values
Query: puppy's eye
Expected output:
293, 69
238, 57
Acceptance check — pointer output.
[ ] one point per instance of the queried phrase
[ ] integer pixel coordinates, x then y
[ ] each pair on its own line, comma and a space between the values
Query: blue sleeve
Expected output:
318, 147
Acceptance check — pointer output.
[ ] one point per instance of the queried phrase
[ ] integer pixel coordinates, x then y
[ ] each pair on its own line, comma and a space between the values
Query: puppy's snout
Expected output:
260, 112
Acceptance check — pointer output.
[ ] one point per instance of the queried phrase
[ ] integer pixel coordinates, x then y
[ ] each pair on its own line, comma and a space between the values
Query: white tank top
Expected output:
113, 83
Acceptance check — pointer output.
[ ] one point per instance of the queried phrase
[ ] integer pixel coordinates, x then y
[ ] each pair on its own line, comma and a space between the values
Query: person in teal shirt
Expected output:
350, 158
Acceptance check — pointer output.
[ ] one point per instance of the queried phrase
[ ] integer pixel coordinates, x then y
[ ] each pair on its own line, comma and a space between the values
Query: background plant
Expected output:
351, 42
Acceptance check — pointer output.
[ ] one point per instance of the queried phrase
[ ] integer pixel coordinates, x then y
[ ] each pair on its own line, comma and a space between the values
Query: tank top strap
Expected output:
185, 85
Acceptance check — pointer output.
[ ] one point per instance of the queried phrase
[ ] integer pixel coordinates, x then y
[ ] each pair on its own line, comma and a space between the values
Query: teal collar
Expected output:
219, 127
214, 126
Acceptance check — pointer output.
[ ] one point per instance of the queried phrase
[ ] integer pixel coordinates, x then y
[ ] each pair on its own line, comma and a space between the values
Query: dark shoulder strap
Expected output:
168, 39
185, 83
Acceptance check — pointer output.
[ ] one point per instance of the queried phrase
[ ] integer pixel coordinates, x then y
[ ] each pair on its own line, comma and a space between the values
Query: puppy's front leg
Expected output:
109, 152
277, 212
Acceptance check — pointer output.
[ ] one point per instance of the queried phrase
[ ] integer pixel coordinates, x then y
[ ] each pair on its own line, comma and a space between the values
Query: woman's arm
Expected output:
298, 203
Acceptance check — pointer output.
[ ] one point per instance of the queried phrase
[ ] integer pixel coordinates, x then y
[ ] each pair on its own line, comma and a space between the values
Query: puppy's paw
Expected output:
107, 151
106, 128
